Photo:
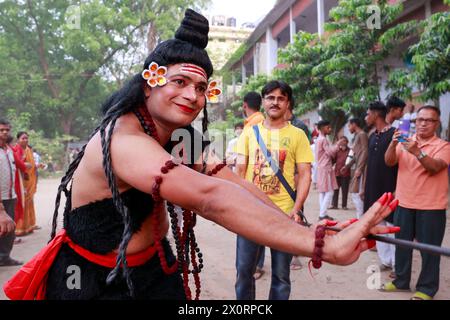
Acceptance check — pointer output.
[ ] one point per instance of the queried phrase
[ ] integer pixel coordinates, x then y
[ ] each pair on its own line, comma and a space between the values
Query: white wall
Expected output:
313, 118
262, 58
271, 51
444, 104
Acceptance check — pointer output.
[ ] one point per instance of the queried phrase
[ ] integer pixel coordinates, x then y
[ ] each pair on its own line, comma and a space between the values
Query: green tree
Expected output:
430, 57
340, 70
60, 71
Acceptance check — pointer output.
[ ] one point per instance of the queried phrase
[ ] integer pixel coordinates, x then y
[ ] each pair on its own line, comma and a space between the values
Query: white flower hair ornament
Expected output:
213, 92
155, 75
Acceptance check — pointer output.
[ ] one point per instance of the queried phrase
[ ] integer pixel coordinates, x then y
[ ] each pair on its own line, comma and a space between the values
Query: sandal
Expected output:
421, 296
390, 287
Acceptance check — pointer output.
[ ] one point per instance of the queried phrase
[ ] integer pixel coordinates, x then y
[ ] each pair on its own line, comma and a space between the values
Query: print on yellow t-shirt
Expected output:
263, 175
288, 146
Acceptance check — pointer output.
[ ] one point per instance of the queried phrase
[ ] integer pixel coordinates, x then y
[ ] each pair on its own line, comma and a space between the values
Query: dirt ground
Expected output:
355, 282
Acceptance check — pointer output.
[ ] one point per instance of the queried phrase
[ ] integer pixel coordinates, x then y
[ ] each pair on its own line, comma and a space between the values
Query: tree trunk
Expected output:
67, 122
151, 38
42, 52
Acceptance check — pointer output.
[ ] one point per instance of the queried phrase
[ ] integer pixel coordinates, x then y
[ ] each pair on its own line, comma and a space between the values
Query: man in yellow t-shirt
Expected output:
290, 149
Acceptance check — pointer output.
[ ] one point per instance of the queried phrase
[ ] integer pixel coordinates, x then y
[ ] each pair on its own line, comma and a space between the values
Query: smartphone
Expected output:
404, 128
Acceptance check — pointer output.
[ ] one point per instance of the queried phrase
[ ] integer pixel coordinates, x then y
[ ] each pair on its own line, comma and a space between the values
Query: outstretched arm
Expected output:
238, 178
229, 204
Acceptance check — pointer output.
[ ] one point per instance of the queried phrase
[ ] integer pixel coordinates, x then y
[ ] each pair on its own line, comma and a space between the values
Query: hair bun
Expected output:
193, 29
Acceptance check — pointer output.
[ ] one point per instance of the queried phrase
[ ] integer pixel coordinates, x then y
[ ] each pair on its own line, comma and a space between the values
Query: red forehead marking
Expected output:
192, 68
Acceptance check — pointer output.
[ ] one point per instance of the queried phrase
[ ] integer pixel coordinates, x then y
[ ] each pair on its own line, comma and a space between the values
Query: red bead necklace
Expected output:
184, 240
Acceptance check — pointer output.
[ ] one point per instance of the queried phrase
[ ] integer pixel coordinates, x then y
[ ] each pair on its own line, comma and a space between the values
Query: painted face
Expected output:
182, 98
275, 104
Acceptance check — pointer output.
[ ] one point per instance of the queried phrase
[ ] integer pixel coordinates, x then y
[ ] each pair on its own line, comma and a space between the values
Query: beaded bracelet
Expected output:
318, 247
217, 168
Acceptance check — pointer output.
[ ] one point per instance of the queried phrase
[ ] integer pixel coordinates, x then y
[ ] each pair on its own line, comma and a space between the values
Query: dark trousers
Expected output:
426, 226
7, 241
247, 256
262, 255
343, 183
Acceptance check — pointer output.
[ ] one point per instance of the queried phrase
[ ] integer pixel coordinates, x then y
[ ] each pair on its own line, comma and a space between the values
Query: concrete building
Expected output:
224, 41
288, 17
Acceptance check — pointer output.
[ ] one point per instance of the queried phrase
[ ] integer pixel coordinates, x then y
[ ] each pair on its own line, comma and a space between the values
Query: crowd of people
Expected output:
18, 182
410, 161
385, 155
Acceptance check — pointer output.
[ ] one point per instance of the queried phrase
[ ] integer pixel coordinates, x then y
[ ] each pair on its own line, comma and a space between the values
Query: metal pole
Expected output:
432, 249
413, 245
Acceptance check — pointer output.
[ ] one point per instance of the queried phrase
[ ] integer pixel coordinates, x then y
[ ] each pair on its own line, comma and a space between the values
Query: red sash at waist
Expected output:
29, 283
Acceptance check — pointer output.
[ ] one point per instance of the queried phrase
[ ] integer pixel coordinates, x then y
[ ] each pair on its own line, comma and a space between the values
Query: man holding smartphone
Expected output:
422, 189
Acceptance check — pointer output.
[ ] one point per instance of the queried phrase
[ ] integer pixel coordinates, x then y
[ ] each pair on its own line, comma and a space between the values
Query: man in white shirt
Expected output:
231, 148
8, 198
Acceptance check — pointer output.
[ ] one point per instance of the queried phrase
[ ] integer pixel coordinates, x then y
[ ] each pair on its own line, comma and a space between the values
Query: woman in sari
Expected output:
21, 168
27, 223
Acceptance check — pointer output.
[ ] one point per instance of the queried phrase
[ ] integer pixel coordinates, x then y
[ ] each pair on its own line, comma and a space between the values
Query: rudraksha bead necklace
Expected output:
185, 240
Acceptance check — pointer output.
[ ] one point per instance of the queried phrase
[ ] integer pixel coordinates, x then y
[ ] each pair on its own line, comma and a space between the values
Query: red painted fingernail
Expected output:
389, 198
394, 229
353, 220
383, 199
393, 204
371, 243
330, 223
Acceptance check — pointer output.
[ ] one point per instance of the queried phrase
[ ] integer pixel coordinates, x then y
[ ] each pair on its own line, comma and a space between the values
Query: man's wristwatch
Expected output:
421, 155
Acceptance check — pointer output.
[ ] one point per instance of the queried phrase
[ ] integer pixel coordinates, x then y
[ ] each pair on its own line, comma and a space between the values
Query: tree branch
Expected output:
92, 72
41, 50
